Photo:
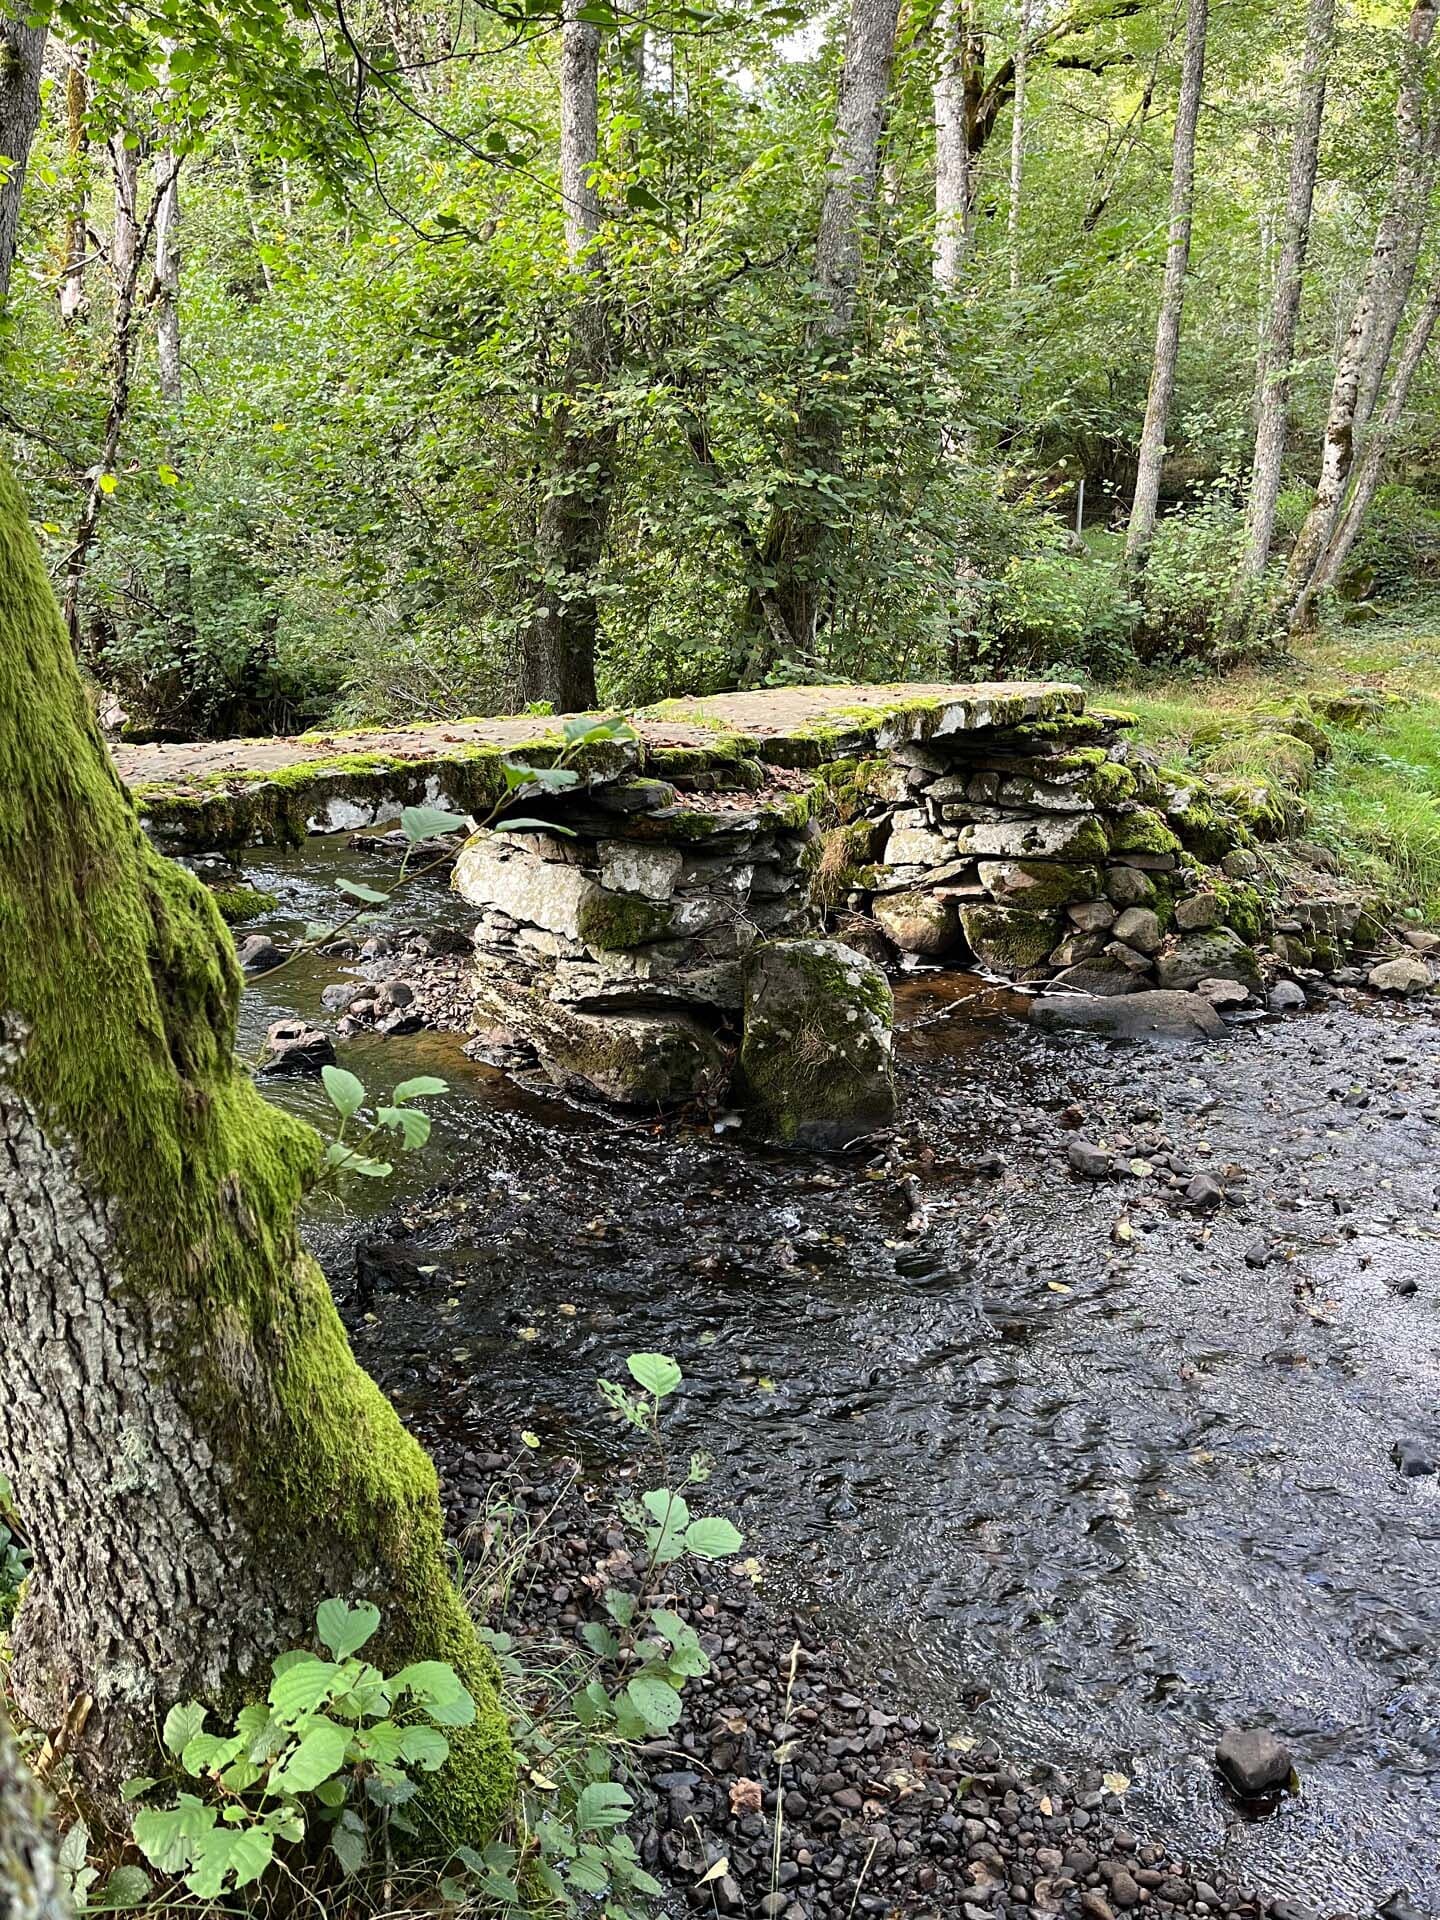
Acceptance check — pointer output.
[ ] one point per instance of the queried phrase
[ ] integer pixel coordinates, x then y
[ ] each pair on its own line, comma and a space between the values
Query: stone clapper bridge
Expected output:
998, 826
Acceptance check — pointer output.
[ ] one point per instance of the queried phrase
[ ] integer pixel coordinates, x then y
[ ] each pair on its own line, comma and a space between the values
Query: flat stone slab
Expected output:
332, 781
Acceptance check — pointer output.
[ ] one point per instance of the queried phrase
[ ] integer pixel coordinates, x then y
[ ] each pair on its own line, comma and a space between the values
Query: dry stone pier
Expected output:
622, 938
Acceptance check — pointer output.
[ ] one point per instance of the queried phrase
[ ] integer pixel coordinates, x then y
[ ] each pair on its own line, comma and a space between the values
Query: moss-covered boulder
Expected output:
654, 1058
1009, 940
1141, 830
1073, 837
815, 1057
1216, 954
1037, 884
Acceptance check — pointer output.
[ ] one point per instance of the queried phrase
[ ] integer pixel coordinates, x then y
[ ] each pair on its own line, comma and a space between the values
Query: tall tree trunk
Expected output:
167, 293
787, 600
952, 143
1017, 143
75, 244
1368, 468
557, 645
197, 1459
1172, 298
22, 53
1272, 386
30, 1886
1374, 318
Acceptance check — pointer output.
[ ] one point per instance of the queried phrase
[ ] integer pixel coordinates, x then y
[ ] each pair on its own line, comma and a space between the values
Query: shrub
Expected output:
1056, 613
1398, 547
1188, 607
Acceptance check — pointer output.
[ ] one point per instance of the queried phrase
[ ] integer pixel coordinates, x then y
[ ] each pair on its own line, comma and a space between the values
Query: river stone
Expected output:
1076, 948
1139, 927
646, 1058
1071, 836
297, 1047
1128, 887
1422, 939
1286, 996
1008, 939
1128, 957
1217, 954
919, 922
1092, 916
629, 866
1100, 976
258, 953
1037, 883
1406, 975
1129, 1016
1197, 911
1253, 1761
529, 878
815, 1059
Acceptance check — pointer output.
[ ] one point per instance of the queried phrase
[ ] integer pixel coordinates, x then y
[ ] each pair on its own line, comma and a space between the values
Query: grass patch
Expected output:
1376, 802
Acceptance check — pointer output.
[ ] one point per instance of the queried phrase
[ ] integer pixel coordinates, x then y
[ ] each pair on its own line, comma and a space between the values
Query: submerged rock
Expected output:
1129, 1016
297, 1047
815, 1059
1253, 1761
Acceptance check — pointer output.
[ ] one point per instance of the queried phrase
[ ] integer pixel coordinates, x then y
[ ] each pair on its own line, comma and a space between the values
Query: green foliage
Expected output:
1399, 546
1055, 612
327, 1763
1188, 610
14, 1556
409, 1126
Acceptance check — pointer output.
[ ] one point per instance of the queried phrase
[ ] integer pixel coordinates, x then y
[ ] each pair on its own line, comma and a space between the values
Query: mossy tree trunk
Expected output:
22, 56
29, 1876
196, 1457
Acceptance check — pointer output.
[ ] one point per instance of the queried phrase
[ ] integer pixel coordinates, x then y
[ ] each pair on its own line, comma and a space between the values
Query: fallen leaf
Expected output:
746, 1796
1116, 1783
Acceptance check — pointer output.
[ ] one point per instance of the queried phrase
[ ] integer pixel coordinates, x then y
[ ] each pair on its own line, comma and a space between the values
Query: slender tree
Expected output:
1172, 297
557, 652
167, 291
75, 243
197, 1460
1375, 316
953, 198
1272, 386
22, 54
1017, 142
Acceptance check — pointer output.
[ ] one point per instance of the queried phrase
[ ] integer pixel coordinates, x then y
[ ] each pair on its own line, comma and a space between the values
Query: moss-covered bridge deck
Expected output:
237, 791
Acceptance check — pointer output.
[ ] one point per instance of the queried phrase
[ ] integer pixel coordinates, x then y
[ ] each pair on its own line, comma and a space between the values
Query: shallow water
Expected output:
1099, 1523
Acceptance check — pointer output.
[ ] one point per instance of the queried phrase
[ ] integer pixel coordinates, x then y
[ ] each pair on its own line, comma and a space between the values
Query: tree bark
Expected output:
790, 589
1272, 386
22, 54
1366, 477
1172, 297
952, 142
167, 293
197, 1460
1017, 143
75, 246
558, 642
30, 1887
1374, 318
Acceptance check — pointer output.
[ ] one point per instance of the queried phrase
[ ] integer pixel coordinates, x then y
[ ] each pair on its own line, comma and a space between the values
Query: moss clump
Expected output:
611, 921
1141, 830
239, 904
119, 990
815, 1057
1009, 940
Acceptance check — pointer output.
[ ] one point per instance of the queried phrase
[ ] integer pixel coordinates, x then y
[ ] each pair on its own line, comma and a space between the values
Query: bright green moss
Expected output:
239, 904
612, 921
1141, 830
118, 979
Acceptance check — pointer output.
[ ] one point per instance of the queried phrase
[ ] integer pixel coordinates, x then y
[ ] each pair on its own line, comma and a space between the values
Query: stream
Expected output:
1065, 1468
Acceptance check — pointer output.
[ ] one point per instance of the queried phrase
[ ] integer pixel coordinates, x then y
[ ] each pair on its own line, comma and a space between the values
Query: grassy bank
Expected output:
1372, 793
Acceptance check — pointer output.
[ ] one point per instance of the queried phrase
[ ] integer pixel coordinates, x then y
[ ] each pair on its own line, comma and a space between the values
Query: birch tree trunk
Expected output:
197, 1460
1373, 320
1017, 143
1272, 386
22, 53
1369, 467
952, 144
787, 601
167, 291
29, 1877
558, 643
1172, 297
75, 246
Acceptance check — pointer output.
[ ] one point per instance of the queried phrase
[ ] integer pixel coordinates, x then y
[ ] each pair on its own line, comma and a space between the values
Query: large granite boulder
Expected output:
655, 1058
919, 922
815, 1057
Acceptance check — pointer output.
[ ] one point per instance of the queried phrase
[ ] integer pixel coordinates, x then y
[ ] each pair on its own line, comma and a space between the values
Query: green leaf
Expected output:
620, 1605
303, 1685
425, 1747
604, 1803
589, 1876
348, 1845
357, 890
522, 824
127, 1887
657, 1373
671, 1515
712, 1539
134, 1787
425, 823
419, 1088
439, 1690
320, 1754
553, 779
642, 199
410, 1123
107, 483
167, 1836
182, 1723
337, 1154
655, 1700
345, 1629
598, 1637
209, 1752
347, 1094
229, 1856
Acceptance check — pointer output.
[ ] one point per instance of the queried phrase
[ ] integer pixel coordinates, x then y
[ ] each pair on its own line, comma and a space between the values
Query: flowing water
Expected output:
1067, 1469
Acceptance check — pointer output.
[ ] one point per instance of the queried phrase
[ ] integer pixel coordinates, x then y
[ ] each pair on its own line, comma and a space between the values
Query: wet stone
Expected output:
1253, 1761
